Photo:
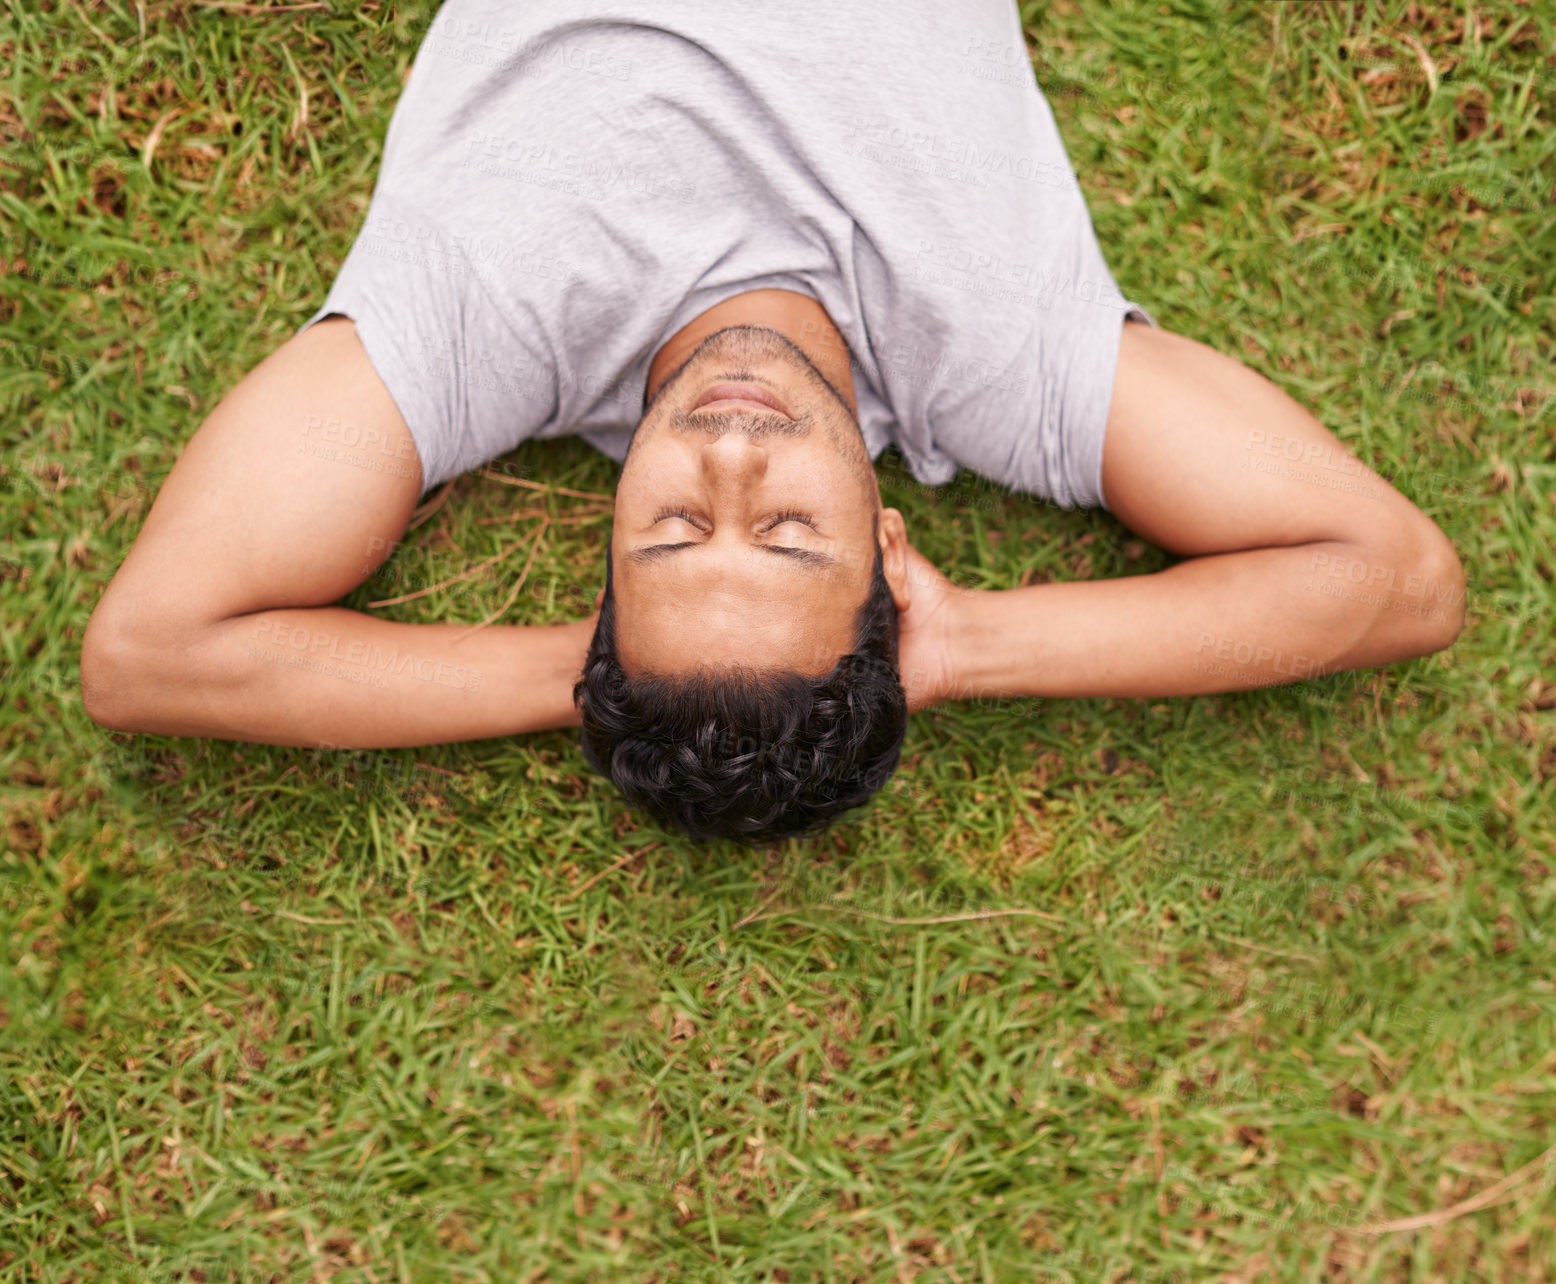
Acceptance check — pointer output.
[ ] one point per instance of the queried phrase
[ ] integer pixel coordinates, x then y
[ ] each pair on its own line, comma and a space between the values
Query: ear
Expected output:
894, 556
599, 599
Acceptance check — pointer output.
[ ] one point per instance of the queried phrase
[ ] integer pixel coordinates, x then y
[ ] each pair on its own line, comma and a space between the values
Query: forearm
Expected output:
1229, 622
330, 676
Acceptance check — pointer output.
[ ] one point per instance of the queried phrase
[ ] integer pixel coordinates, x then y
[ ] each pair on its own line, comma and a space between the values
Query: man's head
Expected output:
742, 679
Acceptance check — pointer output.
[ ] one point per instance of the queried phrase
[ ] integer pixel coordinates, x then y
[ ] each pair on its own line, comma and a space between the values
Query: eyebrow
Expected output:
801, 556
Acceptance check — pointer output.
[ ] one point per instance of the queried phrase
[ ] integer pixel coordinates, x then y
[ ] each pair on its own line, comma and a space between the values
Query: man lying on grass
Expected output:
742, 252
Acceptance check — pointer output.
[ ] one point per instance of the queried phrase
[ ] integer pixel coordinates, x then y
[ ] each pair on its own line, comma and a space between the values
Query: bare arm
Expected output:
1301, 561
219, 623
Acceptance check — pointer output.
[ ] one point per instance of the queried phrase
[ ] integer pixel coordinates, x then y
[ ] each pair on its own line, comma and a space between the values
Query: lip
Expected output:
741, 396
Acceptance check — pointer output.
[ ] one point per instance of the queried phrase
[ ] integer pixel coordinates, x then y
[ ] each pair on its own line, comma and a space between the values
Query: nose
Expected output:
731, 461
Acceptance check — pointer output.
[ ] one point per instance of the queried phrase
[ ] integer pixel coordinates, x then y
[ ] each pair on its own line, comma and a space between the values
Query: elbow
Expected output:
113, 669
1435, 591
146, 668
1406, 596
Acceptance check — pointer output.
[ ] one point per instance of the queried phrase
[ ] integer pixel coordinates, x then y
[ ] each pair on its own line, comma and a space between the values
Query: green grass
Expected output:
1284, 968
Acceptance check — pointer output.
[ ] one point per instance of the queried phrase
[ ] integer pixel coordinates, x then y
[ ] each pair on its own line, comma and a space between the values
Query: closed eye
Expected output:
679, 514
804, 519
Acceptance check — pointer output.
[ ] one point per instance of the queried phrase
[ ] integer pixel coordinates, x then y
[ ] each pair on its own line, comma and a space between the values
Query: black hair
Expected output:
743, 753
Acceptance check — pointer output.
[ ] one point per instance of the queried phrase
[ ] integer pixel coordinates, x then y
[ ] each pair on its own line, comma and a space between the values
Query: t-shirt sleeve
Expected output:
468, 387
1041, 424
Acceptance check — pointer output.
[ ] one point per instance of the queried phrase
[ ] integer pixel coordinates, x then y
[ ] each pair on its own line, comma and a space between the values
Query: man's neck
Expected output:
801, 320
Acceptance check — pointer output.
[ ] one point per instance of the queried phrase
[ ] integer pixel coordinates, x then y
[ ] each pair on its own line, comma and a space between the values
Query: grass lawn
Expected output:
1241, 987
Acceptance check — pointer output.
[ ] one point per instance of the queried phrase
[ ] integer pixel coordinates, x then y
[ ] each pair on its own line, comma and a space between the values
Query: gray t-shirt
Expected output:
566, 185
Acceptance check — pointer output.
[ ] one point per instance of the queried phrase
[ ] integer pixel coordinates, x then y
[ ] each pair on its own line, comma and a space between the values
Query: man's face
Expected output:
745, 516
